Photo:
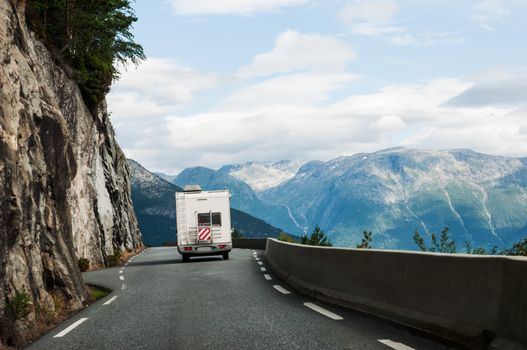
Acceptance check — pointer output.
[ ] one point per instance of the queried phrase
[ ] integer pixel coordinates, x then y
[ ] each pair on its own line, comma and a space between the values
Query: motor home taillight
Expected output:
187, 248
222, 246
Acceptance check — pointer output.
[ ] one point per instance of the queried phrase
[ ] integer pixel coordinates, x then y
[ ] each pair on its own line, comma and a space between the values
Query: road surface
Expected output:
158, 302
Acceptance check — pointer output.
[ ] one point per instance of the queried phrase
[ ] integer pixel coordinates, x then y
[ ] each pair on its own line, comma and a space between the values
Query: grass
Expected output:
97, 292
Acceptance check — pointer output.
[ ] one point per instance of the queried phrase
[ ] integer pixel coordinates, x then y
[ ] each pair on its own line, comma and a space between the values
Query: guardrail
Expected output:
249, 243
470, 299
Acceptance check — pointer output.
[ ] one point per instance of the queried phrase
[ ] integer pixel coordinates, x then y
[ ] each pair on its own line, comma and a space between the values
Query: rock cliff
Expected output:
64, 189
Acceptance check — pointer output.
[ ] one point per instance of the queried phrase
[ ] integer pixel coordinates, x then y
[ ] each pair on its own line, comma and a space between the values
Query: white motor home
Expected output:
203, 222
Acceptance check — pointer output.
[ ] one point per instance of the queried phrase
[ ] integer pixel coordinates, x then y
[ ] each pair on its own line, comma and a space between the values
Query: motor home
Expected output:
203, 222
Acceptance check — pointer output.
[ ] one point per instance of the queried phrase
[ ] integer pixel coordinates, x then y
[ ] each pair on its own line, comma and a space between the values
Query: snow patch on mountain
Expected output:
262, 175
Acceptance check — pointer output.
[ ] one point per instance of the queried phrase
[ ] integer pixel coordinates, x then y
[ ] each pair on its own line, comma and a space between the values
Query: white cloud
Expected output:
412, 115
390, 123
294, 51
487, 13
230, 7
378, 18
301, 89
369, 11
156, 87
370, 17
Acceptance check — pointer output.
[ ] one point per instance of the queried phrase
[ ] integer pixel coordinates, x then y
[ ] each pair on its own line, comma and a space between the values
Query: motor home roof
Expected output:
192, 188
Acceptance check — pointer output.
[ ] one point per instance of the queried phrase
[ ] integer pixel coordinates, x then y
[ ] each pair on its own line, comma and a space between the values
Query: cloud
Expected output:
489, 12
156, 87
377, 18
294, 51
230, 7
369, 11
409, 114
294, 89
501, 87
370, 17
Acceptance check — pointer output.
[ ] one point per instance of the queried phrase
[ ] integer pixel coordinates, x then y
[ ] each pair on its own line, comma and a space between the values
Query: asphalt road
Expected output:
158, 302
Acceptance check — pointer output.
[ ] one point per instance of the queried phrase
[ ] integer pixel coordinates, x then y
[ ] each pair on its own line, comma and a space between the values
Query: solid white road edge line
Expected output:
267, 277
281, 289
70, 328
111, 300
263, 269
323, 311
121, 278
260, 263
394, 345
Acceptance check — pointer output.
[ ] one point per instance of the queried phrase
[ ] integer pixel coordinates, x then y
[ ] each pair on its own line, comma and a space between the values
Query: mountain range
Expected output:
481, 198
154, 204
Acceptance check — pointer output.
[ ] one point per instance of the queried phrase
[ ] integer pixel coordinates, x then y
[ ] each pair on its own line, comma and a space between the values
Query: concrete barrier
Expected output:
470, 299
248, 243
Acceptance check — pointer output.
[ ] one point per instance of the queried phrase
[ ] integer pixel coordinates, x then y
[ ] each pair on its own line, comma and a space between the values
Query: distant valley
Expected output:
481, 198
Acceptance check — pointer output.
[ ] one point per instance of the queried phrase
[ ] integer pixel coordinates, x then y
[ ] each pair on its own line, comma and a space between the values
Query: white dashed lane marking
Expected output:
257, 259
111, 300
70, 328
281, 289
121, 278
267, 277
263, 269
323, 311
395, 345
260, 263
123, 287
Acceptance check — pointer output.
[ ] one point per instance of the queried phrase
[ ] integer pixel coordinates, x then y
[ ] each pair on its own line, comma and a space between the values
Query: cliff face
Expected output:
64, 189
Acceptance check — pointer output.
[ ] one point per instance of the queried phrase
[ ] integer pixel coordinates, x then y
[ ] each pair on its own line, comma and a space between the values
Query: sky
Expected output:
233, 81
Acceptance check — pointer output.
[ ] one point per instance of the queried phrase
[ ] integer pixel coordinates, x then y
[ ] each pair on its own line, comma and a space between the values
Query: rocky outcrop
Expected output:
64, 189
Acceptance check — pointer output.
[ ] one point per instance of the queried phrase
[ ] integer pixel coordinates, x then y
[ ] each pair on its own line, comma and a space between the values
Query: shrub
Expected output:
19, 307
84, 264
284, 237
115, 259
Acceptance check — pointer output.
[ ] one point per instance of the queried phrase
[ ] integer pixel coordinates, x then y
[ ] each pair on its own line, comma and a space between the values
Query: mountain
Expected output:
262, 175
165, 177
481, 198
154, 203
243, 198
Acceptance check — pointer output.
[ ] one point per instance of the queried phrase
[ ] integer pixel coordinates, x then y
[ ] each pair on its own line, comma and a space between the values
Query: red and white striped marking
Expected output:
204, 234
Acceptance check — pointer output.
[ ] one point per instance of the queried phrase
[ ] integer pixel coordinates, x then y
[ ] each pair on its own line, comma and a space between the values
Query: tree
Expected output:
519, 248
443, 244
419, 240
366, 240
89, 38
318, 237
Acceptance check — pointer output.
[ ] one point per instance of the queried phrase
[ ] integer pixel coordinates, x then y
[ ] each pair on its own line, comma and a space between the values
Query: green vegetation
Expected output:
479, 250
446, 245
98, 293
519, 248
367, 238
318, 237
443, 244
236, 234
115, 259
84, 264
89, 38
284, 237
19, 307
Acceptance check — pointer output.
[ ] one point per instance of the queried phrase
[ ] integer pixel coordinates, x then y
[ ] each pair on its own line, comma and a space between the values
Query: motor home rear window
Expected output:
204, 219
